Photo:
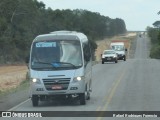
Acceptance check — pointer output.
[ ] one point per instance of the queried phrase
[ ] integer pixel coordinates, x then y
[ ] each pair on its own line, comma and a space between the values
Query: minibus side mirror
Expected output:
27, 59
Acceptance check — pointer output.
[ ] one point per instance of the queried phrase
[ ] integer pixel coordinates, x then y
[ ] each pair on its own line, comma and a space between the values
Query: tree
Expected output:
156, 24
22, 20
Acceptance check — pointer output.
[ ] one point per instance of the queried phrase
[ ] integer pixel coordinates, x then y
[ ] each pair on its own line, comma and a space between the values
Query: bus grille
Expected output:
63, 82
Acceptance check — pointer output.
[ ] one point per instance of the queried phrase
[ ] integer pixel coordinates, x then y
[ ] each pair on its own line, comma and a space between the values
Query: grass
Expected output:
12, 78
23, 86
155, 51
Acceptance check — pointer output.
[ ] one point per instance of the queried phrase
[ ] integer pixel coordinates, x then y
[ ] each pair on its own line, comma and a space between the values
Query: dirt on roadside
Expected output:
12, 76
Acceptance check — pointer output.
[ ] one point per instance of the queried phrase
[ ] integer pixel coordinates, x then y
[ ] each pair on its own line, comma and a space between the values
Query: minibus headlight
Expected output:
35, 80
76, 79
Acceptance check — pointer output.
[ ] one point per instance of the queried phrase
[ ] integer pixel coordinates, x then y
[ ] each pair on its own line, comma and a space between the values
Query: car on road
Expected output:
120, 49
109, 56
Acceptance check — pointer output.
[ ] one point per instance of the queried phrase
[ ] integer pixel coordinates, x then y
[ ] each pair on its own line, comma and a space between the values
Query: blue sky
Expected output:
137, 14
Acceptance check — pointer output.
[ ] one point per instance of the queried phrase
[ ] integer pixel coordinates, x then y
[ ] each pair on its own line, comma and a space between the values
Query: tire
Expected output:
102, 62
82, 98
116, 61
87, 93
42, 98
35, 100
124, 58
88, 96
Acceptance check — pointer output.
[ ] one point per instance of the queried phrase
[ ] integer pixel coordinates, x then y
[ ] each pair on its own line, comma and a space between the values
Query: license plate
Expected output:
108, 58
56, 87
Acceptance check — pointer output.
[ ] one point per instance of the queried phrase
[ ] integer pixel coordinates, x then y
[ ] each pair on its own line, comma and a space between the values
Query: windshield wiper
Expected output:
57, 64
46, 64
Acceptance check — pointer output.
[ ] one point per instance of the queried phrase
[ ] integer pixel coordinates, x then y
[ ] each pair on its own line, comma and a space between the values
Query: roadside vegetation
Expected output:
154, 34
12, 77
22, 20
24, 85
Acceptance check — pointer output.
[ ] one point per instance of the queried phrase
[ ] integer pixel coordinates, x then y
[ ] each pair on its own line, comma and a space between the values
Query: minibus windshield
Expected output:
56, 54
118, 47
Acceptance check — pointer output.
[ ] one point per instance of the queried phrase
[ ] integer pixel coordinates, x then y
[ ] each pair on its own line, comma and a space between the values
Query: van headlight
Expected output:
36, 80
76, 79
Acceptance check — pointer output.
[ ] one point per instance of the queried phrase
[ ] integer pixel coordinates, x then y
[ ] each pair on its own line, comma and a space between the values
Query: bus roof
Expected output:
62, 35
117, 43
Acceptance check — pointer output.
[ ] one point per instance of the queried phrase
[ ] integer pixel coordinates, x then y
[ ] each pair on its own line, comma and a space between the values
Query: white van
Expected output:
120, 49
60, 65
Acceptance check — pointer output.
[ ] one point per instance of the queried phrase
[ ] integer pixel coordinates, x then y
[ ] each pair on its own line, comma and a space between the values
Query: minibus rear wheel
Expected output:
124, 58
88, 96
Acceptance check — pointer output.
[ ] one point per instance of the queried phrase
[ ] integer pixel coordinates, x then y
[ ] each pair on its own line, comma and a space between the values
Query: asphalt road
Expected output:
126, 86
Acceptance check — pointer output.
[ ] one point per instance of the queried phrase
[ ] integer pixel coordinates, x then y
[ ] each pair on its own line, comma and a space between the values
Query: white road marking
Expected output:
15, 107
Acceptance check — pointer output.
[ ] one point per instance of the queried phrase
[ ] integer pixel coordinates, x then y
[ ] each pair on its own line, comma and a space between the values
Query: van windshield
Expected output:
118, 47
109, 52
58, 54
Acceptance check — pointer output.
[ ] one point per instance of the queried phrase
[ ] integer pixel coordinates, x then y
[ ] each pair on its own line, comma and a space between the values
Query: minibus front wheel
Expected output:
82, 98
35, 100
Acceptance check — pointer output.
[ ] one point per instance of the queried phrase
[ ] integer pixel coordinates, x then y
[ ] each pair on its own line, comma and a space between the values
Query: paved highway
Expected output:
127, 86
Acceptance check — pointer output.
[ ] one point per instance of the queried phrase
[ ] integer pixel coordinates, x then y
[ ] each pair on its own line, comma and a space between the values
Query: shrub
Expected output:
155, 52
